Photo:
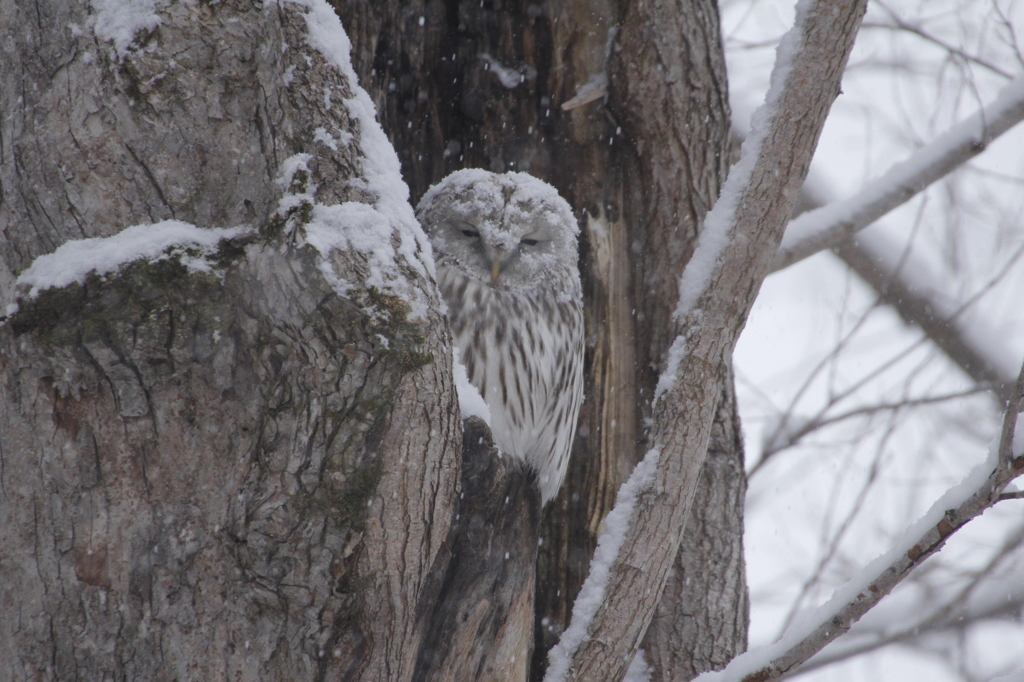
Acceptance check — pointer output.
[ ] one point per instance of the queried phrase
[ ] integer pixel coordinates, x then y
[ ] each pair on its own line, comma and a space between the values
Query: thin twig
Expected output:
958, 506
901, 25
831, 225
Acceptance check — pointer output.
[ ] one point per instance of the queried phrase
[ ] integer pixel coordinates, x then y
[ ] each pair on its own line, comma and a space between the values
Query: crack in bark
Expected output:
152, 181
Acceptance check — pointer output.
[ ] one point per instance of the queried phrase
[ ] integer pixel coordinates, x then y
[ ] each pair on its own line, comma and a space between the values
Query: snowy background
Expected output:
902, 422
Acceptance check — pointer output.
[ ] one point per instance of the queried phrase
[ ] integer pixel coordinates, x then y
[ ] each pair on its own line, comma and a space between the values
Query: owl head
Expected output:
510, 231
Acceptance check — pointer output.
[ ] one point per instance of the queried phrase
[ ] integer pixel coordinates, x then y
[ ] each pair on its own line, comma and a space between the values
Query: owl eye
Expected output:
471, 233
528, 242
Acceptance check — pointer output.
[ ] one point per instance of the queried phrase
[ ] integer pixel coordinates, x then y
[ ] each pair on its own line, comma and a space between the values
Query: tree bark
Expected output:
235, 474
705, 603
243, 474
721, 288
673, 101
479, 624
640, 181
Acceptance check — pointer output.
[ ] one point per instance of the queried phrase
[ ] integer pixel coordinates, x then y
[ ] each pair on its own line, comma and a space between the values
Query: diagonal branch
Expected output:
979, 491
904, 281
833, 224
916, 294
717, 289
983, 598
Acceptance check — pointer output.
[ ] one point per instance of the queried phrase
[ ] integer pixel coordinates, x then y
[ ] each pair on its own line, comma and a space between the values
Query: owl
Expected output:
505, 247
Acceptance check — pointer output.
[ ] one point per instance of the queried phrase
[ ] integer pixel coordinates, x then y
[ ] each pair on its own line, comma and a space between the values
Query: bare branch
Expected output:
717, 289
1011, 37
899, 24
833, 224
1006, 449
785, 438
979, 491
917, 297
909, 635
904, 282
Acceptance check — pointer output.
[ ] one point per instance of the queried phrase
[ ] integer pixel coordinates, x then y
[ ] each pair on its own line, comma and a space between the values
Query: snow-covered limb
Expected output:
978, 491
734, 252
365, 228
75, 260
608, 545
994, 593
825, 227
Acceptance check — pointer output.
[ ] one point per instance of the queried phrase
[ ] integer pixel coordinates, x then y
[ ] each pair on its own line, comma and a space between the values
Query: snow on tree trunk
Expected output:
212, 465
717, 288
672, 54
485, 86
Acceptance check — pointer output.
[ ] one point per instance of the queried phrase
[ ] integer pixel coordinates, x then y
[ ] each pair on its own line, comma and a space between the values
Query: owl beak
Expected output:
495, 271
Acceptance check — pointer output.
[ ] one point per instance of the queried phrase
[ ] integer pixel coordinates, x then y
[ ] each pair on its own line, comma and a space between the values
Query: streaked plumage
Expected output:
506, 256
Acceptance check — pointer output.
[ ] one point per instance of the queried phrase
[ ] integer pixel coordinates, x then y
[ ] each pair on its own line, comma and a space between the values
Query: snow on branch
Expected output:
829, 225
386, 232
921, 298
717, 288
994, 592
717, 231
905, 281
977, 492
75, 260
591, 595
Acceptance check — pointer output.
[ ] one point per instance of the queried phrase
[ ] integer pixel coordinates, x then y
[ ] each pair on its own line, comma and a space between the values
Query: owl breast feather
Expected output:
524, 352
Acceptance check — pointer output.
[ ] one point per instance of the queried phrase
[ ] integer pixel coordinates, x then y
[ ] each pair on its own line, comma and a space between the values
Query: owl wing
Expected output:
560, 368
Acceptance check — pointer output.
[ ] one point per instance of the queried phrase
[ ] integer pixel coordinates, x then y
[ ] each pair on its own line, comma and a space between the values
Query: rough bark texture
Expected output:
670, 89
479, 624
683, 417
709, 570
641, 169
241, 476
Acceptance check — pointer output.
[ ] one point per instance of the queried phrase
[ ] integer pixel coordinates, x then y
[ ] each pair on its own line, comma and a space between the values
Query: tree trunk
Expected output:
479, 616
470, 84
705, 603
238, 472
206, 475
716, 293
